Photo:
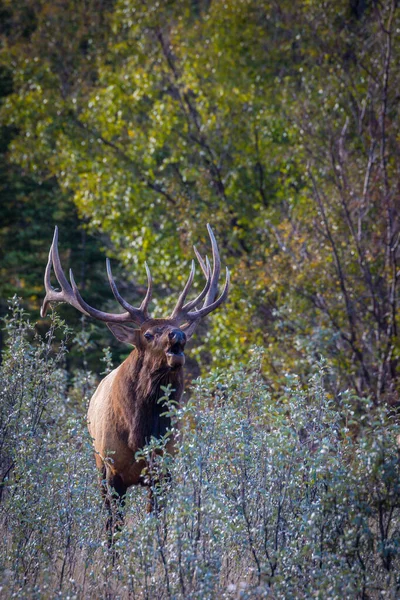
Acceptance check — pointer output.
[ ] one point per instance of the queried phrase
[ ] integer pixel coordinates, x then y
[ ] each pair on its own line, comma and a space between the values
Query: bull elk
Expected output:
124, 412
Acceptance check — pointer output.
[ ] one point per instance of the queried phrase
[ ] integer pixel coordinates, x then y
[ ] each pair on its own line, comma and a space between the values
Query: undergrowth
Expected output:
295, 499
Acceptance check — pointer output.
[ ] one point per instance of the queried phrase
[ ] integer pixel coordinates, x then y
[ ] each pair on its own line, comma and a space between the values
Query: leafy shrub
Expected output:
295, 499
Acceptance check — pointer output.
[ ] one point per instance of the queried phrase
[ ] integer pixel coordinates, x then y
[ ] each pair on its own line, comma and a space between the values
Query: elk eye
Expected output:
148, 336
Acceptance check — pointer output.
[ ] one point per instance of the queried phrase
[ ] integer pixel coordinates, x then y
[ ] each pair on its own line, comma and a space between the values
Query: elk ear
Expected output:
125, 334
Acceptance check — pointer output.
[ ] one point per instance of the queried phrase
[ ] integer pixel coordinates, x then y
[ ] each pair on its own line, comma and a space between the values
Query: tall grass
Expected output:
295, 499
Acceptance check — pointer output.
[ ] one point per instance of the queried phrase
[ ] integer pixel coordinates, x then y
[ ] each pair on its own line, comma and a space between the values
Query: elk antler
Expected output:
69, 293
182, 313
186, 312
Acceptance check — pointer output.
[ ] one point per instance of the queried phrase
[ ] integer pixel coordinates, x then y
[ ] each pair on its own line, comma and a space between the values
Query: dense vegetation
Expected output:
295, 500
131, 124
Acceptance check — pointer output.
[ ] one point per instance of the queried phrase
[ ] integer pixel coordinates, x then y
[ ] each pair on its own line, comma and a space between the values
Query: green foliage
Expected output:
277, 123
295, 499
29, 211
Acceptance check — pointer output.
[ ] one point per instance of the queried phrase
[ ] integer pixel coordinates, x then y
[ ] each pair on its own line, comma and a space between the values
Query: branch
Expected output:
126, 158
348, 303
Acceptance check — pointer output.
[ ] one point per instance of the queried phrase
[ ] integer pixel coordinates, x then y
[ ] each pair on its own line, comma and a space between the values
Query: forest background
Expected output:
133, 124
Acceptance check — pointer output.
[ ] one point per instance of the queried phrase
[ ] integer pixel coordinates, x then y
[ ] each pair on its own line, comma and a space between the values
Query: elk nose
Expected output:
177, 337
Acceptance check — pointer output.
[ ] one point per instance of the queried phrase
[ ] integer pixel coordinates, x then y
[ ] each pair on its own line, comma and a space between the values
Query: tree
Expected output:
276, 123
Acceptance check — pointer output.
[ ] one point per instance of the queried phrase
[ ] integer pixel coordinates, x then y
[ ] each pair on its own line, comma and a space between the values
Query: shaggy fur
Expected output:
125, 411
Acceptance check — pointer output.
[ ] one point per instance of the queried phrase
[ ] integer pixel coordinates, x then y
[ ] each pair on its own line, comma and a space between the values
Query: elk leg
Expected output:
113, 491
119, 496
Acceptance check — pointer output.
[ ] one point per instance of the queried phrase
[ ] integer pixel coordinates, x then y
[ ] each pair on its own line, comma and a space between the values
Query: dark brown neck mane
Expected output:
137, 389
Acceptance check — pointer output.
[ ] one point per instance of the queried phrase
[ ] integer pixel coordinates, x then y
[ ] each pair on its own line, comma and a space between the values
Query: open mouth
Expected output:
175, 349
175, 355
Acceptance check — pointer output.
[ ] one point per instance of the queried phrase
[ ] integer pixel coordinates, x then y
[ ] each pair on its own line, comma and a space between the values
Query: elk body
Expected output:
124, 413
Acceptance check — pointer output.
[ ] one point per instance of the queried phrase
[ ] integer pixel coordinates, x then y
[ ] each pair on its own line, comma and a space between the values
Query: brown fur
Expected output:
135, 393
124, 413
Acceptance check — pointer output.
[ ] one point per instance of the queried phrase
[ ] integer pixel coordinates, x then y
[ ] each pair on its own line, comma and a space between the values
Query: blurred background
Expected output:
132, 124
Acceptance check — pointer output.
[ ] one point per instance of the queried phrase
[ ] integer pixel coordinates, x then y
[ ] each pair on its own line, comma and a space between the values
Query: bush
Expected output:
297, 499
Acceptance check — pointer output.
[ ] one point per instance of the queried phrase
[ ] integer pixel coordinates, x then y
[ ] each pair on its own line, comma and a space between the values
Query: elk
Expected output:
124, 412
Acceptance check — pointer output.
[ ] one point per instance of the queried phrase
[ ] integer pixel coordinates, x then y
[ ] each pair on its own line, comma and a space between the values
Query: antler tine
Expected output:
66, 294
210, 303
139, 314
180, 312
125, 317
58, 270
194, 317
50, 292
202, 264
199, 314
149, 293
212, 292
178, 307
207, 272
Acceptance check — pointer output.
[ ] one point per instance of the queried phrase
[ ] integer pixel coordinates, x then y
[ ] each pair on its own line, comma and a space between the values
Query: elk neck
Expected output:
136, 390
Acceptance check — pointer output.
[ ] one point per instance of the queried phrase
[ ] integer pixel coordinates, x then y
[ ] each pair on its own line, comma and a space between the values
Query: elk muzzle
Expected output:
175, 355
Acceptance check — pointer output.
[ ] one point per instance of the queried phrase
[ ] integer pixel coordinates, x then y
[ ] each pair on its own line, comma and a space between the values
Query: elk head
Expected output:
164, 339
